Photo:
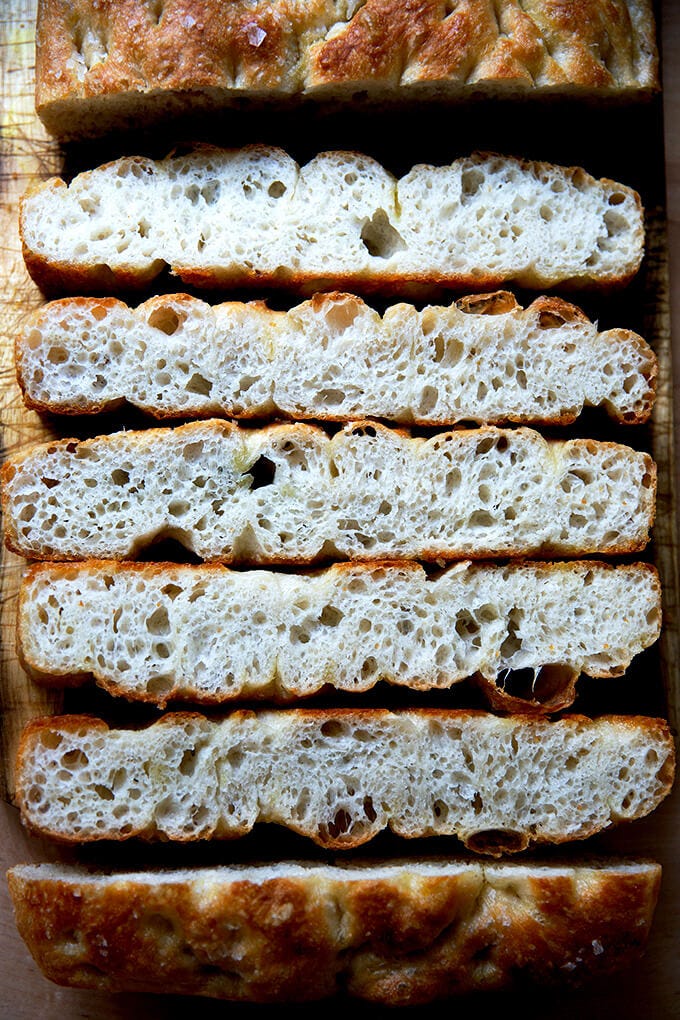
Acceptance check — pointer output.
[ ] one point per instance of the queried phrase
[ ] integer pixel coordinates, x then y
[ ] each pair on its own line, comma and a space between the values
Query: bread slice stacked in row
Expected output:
403, 555
482, 358
102, 68
253, 217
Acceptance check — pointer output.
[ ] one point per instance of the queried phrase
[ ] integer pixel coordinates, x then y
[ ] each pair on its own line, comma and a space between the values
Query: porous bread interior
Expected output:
340, 778
334, 357
216, 634
292, 493
231, 214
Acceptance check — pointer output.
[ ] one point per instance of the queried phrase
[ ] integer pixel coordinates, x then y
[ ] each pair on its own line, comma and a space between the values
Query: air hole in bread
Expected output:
481, 519
165, 319
428, 399
57, 355
187, 766
341, 825
333, 728
331, 616
483, 954
380, 238
295, 455
74, 759
512, 643
369, 809
440, 810
212, 970
496, 841
263, 472
299, 635
158, 927
466, 625
550, 320
51, 739
331, 397
340, 314
369, 668
85, 973
485, 445
178, 508
210, 192
159, 622
69, 941
548, 686
276, 189
615, 223
449, 351
245, 383
471, 182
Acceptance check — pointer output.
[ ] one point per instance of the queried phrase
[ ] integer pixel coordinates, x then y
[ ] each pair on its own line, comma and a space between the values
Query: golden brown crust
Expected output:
113, 63
397, 935
530, 45
62, 277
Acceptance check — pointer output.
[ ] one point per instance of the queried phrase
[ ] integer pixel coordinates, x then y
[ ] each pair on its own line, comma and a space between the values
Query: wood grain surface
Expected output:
628, 146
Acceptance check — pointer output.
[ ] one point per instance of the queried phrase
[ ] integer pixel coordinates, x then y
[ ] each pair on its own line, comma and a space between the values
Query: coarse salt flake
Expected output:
256, 35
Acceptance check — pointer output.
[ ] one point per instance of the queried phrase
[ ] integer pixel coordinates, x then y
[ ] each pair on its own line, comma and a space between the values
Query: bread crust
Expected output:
397, 935
101, 67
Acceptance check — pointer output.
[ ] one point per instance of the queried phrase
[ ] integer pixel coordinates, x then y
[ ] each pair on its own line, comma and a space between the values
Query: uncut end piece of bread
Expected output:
153, 632
482, 359
340, 777
253, 217
103, 67
397, 933
292, 494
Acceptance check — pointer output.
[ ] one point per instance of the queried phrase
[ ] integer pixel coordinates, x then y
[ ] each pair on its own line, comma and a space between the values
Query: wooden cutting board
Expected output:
571, 136
27, 153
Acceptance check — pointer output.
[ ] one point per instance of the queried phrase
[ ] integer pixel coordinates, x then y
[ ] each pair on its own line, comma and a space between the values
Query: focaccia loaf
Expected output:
482, 359
339, 777
292, 494
103, 67
153, 632
253, 217
397, 933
